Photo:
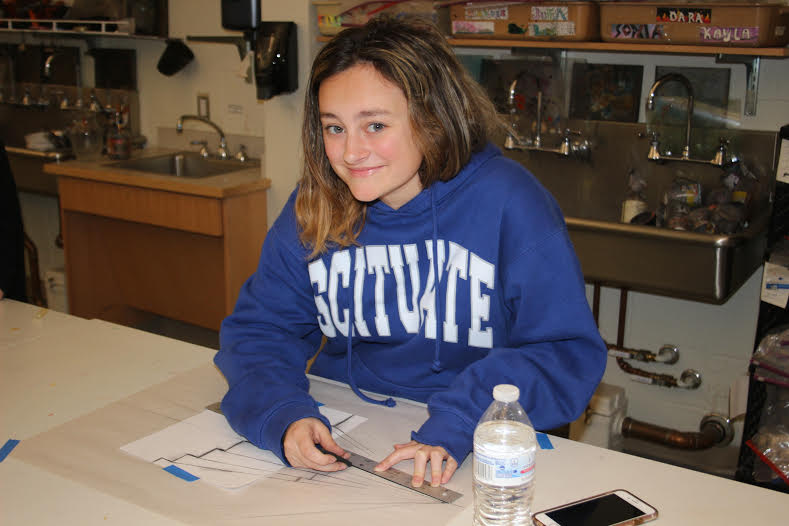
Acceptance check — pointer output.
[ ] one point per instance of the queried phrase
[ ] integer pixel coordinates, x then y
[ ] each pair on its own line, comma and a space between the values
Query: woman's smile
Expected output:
368, 137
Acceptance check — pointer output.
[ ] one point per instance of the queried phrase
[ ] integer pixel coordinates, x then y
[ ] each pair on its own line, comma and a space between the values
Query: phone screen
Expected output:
607, 510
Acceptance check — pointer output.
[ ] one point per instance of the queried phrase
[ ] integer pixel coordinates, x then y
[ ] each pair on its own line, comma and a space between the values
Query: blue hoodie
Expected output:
512, 309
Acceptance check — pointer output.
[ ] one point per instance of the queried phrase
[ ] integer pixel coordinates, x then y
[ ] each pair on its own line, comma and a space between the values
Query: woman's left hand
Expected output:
440, 472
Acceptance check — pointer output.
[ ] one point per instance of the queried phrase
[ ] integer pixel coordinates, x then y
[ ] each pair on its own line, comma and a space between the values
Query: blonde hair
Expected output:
451, 115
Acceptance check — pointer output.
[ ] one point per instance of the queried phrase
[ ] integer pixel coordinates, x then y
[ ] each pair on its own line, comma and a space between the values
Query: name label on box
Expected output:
637, 31
487, 13
550, 13
729, 34
683, 15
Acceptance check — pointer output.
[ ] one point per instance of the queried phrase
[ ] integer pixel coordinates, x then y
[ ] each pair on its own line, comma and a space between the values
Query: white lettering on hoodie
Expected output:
401, 263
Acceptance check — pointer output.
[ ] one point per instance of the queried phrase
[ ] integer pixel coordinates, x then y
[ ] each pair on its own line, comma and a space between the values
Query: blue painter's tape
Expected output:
180, 473
544, 441
9, 445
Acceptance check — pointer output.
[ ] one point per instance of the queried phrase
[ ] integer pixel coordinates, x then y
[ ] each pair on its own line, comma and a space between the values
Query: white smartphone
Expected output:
614, 508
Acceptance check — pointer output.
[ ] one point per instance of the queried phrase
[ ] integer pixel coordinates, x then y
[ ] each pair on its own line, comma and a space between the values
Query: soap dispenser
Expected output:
276, 59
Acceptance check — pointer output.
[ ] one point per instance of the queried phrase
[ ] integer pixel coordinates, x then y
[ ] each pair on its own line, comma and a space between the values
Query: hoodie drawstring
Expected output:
436, 367
389, 402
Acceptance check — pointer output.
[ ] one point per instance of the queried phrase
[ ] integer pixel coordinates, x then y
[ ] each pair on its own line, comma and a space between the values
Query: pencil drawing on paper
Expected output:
205, 447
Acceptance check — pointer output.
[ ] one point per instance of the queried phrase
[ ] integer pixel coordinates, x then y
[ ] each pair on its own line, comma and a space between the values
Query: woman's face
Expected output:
368, 137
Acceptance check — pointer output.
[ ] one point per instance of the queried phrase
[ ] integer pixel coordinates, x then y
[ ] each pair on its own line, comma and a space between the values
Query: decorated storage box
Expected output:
716, 24
525, 20
334, 16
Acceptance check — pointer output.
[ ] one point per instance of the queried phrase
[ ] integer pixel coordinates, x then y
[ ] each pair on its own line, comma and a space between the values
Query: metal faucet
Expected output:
222, 152
12, 79
47, 73
721, 155
514, 141
95, 104
537, 141
672, 77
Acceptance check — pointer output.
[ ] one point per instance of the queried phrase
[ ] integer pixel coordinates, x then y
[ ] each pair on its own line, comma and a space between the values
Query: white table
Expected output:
73, 391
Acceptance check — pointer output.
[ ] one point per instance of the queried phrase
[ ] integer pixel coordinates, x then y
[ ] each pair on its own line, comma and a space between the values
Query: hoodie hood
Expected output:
429, 198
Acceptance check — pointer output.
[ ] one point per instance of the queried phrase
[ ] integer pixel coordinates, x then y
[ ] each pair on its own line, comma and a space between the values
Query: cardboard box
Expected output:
714, 24
525, 20
334, 16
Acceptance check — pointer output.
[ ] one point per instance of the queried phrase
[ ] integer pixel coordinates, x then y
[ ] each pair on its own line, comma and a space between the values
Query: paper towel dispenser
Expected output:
276, 59
242, 15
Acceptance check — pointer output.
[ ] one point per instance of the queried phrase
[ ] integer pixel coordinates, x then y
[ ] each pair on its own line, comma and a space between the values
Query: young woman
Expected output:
434, 267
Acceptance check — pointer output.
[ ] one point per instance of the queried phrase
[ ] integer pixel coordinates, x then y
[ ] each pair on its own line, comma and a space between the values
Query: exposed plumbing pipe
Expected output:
690, 379
715, 430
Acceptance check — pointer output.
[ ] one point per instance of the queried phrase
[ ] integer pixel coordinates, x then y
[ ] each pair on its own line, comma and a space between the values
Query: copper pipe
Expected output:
620, 329
710, 434
666, 380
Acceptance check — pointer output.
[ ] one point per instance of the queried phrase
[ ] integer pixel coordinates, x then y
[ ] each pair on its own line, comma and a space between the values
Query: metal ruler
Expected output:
393, 475
398, 477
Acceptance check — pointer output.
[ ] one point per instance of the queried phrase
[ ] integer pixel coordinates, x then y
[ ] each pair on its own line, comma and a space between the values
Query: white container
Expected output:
505, 447
55, 289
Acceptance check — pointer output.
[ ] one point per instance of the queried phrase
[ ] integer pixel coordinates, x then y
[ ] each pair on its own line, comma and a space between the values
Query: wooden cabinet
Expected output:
147, 243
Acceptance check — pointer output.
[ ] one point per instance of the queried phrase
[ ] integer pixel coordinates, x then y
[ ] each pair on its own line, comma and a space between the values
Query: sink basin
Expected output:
681, 264
183, 164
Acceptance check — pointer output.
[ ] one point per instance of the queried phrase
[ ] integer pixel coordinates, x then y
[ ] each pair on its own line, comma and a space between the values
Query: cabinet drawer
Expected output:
142, 205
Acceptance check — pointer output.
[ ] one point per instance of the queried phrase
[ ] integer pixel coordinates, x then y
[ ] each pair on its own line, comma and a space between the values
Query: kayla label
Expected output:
729, 34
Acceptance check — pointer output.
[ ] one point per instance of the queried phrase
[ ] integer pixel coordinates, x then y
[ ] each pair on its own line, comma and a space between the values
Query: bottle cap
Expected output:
506, 393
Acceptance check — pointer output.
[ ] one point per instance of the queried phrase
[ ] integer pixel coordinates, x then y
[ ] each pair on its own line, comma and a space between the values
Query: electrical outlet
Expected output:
235, 108
203, 107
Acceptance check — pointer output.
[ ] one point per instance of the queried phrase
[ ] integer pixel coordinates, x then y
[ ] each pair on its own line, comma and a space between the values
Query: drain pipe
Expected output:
668, 354
715, 430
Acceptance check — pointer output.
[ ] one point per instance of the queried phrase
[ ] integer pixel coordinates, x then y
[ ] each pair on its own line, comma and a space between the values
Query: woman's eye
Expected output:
375, 127
333, 129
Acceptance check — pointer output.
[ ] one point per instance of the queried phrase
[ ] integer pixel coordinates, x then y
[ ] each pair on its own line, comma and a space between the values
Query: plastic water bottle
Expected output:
505, 447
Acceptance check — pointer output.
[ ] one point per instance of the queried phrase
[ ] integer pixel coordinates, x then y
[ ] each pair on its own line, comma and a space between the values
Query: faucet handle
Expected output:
580, 149
721, 155
242, 153
204, 149
651, 135
222, 153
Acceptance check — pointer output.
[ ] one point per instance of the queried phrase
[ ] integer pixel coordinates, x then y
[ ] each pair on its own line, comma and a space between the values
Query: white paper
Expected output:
196, 436
205, 446
738, 397
775, 274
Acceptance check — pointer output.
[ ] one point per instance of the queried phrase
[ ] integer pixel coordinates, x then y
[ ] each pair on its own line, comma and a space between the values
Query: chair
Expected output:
36, 290
16, 247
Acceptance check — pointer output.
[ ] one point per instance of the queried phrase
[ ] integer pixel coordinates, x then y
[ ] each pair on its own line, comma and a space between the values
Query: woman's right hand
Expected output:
299, 446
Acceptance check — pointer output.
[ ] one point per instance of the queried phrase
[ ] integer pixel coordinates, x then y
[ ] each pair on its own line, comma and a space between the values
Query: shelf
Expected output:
73, 28
614, 47
124, 27
777, 52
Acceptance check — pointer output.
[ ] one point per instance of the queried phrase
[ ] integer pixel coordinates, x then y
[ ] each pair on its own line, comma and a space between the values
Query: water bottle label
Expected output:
513, 471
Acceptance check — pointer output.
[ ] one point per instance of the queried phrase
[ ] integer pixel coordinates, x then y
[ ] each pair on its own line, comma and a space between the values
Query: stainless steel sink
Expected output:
183, 164
688, 265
